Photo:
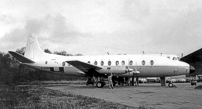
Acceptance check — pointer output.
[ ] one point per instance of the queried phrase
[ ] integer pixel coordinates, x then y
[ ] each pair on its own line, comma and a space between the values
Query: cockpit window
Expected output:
174, 58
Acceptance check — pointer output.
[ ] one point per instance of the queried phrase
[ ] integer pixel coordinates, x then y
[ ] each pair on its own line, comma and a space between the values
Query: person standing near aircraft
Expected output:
110, 81
128, 81
137, 81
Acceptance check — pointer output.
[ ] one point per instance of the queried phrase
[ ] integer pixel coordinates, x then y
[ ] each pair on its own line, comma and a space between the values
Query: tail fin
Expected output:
33, 51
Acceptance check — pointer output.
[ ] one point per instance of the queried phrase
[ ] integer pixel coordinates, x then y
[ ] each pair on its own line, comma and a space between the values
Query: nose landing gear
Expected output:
170, 84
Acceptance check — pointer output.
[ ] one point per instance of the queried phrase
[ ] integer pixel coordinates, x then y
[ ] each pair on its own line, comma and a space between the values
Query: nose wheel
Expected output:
170, 85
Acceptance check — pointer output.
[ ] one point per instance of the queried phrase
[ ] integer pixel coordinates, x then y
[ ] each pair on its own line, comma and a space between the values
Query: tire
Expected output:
99, 84
170, 85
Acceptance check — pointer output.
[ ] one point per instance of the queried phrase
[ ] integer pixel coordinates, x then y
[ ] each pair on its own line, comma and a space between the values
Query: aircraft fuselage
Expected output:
147, 65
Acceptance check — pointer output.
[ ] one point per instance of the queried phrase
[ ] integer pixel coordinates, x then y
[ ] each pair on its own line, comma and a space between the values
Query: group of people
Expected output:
113, 80
128, 81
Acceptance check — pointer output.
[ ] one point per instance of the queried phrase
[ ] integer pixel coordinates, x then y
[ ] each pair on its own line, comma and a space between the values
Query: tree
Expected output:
8, 68
78, 54
21, 50
64, 53
47, 51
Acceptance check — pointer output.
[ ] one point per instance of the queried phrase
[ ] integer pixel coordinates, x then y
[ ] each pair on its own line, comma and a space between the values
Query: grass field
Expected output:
38, 97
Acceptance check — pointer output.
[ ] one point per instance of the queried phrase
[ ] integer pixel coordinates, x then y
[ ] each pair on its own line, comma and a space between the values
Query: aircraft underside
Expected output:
99, 79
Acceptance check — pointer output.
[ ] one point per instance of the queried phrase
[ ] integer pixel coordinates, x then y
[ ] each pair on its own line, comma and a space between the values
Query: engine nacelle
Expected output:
131, 73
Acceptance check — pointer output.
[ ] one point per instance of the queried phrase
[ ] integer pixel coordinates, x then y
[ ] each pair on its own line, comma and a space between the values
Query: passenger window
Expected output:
117, 63
109, 63
89, 62
63, 64
152, 62
131, 62
46, 62
95, 62
123, 63
143, 62
102, 63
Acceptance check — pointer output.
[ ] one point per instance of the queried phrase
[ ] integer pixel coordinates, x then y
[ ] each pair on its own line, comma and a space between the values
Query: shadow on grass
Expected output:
198, 87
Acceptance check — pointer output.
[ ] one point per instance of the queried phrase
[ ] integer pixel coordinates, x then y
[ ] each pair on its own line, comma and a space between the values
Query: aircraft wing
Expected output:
82, 65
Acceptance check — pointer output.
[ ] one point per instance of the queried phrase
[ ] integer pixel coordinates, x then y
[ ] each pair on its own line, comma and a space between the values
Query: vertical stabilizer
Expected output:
33, 50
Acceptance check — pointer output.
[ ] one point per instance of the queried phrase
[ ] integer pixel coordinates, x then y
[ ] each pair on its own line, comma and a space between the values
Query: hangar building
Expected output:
194, 59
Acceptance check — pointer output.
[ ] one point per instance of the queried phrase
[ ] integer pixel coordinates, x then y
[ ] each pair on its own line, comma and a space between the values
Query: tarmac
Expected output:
150, 95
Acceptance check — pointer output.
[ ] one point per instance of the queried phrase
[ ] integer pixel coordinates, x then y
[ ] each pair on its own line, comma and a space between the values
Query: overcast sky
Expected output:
92, 27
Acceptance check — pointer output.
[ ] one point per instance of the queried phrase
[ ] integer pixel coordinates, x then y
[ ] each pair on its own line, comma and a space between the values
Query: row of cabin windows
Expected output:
122, 63
117, 63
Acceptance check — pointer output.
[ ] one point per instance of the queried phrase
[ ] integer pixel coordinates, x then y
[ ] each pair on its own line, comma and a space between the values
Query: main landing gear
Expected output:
163, 82
170, 84
100, 84
99, 81
90, 81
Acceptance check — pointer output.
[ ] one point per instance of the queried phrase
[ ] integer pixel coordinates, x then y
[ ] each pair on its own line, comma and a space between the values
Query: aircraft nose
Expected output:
192, 69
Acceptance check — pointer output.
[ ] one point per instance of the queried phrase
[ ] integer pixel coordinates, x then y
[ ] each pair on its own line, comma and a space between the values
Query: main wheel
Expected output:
99, 84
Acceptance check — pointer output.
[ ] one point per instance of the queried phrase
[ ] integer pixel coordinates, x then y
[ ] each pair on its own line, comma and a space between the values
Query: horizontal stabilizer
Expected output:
20, 57
82, 65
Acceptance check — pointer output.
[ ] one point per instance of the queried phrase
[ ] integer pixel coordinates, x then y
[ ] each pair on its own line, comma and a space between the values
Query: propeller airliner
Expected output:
101, 66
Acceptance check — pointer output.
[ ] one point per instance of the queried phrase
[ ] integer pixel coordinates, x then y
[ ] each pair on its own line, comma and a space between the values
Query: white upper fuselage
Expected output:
148, 65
